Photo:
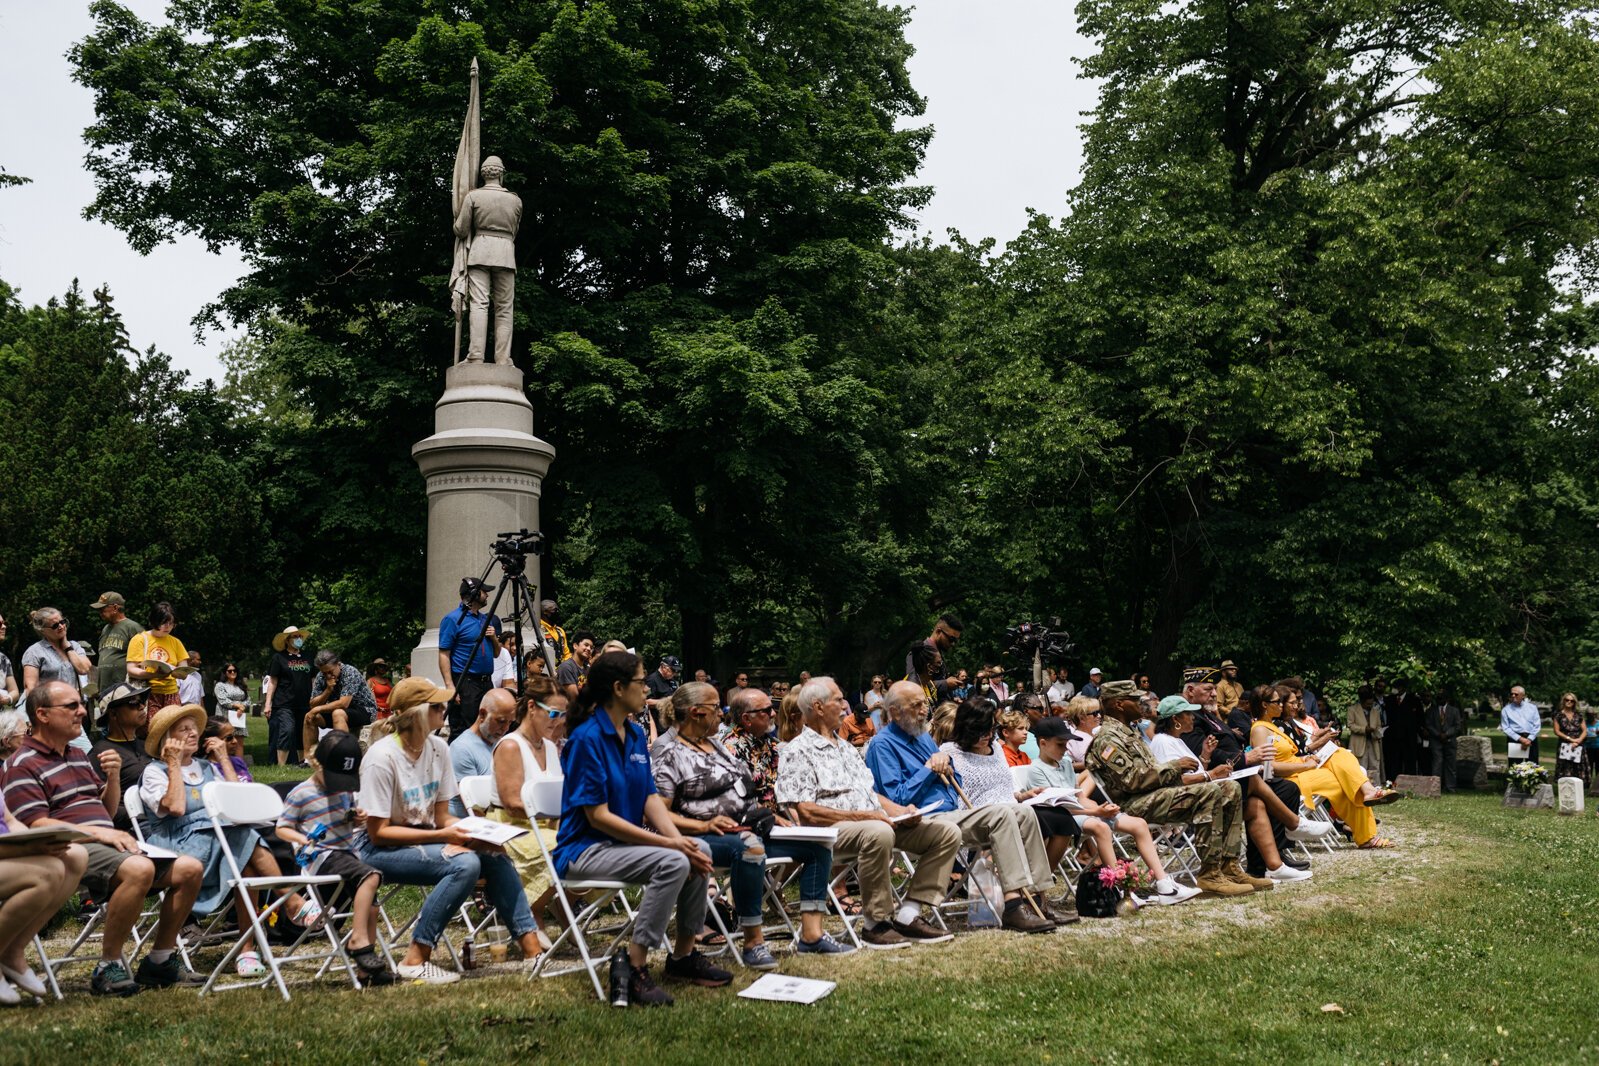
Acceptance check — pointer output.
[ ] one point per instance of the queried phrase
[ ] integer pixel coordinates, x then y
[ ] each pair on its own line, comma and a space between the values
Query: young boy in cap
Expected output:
327, 799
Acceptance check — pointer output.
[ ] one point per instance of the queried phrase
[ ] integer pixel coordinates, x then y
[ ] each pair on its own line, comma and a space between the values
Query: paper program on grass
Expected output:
781, 988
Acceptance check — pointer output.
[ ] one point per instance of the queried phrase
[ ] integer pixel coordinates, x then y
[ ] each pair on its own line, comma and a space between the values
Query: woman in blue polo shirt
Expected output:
607, 802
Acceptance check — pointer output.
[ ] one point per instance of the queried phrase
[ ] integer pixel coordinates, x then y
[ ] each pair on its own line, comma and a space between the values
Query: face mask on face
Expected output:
298, 642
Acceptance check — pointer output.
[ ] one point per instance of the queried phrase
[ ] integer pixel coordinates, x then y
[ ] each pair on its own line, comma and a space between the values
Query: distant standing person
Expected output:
505, 663
1442, 725
377, 679
1229, 690
1091, 688
1570, 734
119, 629
466, 662
571, 675
191, 687
1365, 732
554, 635
51, 657
286, 693
232, 699
1520, 721
157, 644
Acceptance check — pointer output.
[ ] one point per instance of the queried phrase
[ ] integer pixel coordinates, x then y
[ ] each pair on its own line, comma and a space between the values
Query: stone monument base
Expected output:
1419, 786
1544, 797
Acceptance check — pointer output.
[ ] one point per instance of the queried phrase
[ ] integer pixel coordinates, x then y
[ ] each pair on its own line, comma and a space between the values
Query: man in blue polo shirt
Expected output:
910, 770
466, 663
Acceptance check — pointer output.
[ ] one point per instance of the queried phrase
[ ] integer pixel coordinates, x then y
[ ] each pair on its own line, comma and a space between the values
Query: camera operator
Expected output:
466, 664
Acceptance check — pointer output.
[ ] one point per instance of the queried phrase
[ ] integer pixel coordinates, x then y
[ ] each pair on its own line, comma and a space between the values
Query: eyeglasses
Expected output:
74, 705
637, 681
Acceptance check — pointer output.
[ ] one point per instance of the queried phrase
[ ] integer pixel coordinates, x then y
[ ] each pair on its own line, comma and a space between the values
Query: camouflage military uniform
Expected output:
1153, 791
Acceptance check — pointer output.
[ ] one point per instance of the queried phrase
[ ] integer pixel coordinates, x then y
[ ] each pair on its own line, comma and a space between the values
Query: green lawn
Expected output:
1471, 942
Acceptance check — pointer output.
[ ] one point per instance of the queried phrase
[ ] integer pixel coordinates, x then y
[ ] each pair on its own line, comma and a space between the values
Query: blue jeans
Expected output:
727, 849
452, 879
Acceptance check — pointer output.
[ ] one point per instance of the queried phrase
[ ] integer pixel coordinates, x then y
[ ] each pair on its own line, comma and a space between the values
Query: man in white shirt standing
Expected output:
191, 688
1520, 721
1062, 690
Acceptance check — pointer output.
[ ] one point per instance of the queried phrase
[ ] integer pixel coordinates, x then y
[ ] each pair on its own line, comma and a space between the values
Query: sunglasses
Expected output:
74, 705
61, 624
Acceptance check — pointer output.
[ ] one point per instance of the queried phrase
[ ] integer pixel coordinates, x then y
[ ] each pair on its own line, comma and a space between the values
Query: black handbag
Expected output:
1095, 900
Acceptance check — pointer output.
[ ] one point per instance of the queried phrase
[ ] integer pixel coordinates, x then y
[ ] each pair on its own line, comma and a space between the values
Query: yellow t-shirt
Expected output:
163, 648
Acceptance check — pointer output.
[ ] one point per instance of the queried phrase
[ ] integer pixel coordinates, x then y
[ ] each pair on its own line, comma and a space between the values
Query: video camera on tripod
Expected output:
509, 551
1041, 644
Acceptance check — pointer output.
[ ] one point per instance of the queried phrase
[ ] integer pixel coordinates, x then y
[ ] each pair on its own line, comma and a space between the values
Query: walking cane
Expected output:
1027, 893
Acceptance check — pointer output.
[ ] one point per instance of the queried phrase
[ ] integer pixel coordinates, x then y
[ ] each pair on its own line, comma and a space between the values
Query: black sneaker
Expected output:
621, 977
642, 991
698, 969
111, 979
166, 974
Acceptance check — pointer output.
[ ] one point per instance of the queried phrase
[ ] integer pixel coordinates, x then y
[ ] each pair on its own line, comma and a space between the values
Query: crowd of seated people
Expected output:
672, 792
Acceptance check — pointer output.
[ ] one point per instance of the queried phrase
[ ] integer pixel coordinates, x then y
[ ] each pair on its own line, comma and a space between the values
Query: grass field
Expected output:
1471, 942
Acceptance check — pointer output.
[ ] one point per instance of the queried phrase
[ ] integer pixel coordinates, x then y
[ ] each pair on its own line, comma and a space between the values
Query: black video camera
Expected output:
1051, 646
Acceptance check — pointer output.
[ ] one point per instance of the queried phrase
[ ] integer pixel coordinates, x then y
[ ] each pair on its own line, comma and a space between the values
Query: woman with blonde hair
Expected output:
1570, 733
789, 720
941, 723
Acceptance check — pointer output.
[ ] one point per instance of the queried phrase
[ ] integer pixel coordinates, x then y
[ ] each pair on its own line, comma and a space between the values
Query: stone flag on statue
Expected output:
464, 181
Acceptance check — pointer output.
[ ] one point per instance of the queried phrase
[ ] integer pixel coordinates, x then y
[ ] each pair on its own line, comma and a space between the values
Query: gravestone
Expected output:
1418, 785
1570, 791
1544, 797
1472, 755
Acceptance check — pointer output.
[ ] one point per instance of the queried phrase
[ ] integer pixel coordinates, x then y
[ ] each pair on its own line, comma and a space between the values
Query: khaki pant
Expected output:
870, 846
1011, 832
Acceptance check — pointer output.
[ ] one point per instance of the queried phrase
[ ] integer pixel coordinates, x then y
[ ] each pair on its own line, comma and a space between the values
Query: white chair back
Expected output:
478, 793
133, 803
1018, 777
241, 802
542, 798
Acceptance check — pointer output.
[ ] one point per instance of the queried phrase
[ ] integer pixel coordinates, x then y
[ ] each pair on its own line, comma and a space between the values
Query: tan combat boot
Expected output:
1213, 879
1236, 871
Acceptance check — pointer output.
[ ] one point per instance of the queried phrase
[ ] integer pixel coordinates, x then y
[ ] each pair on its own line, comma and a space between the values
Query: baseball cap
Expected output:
108, 599
473, 585
1118, 690
1092, 670
1172, 706
339, 755
1201, 675
673, 661
1050, 728
415, 690
119, 693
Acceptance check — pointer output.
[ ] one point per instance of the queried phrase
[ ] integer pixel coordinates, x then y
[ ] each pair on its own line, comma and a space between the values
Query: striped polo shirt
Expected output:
43, 783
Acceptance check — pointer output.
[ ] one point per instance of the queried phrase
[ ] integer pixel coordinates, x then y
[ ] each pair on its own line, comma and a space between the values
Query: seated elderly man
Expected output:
908, 768
754, 740
823, 781
1129, 774
51, 784
340, 699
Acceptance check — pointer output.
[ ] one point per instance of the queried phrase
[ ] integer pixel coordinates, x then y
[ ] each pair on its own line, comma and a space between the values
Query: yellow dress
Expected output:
1339, 779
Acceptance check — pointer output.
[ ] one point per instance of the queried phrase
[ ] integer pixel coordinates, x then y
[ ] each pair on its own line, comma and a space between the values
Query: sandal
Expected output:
850, 905
309, 916
1376, 842
248, 964
711, 938
1385, 795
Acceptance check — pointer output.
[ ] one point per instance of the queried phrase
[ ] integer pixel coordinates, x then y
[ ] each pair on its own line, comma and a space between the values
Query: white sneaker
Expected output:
24, 979
1288, 873
427, 974
1308, 830
1171, 893
8, 995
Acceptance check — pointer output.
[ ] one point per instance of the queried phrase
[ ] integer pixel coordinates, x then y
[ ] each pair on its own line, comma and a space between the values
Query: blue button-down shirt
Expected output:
458, 634
898, 762
1519, 720
600, 768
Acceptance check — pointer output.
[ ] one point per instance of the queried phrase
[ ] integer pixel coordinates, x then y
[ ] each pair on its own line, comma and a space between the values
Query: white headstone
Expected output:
1570, 789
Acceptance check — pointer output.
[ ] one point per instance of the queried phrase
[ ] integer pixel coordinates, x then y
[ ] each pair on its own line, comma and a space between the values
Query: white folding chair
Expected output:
543, 800
89, 936
236, 803
479, 795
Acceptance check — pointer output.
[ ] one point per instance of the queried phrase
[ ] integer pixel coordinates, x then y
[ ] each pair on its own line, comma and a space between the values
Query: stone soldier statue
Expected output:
1121, 762
487, 222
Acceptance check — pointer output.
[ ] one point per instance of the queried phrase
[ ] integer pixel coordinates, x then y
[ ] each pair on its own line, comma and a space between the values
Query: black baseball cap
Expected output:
471, 586
1052, 727
339, 755
673, 661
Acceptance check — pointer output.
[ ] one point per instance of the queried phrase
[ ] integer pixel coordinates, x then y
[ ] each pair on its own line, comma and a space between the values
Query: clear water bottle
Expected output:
1266, 771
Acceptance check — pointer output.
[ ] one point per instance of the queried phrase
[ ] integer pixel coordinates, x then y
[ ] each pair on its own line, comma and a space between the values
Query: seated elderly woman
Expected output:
35, 881
986, 777
13, 731
711, 795
176, 818
1098, 817
1334, 774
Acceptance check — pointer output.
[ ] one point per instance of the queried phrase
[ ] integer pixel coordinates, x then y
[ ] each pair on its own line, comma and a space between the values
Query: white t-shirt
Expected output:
1167, 748
504, 667
1061, 692
403, 791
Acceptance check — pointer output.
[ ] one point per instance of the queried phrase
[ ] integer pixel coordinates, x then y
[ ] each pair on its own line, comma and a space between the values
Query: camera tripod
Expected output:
510, 554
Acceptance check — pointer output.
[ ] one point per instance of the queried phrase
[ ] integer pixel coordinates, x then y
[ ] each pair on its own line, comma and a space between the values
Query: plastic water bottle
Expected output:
1266, 772
306, 853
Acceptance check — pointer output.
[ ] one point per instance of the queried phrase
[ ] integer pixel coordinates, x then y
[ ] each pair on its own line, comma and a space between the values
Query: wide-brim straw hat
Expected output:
165, 719
280, 641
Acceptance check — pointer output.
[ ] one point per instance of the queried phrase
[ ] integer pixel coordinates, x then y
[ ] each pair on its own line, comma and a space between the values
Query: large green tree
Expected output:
709, 189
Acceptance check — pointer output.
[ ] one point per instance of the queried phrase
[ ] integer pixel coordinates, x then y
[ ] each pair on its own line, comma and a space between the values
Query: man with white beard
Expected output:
909, 769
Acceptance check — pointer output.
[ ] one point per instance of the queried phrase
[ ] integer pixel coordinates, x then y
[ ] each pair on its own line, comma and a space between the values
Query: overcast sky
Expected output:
1002, 91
